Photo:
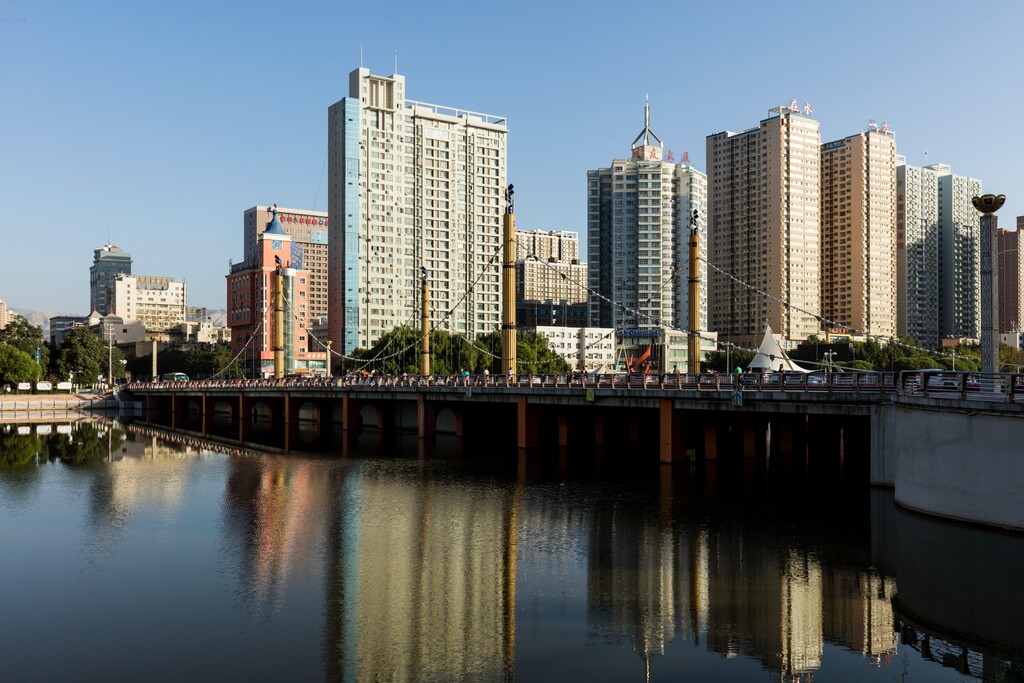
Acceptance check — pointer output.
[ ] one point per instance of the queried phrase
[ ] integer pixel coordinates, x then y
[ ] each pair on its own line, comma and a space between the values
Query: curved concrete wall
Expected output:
959, 465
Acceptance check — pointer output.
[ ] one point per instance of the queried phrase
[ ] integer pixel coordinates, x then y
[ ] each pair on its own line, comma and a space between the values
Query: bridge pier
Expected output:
710, 430
291, 422
672, 433
426, 417
527, 424
204, 414
350, 419
244, 417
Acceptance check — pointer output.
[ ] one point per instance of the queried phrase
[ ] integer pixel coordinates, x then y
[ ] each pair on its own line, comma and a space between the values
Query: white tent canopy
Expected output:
770, 357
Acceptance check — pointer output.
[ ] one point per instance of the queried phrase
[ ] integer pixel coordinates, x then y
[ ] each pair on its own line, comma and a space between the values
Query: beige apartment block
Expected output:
414, 188
548, 267
156, 302
764, 228
308, 230
858, 233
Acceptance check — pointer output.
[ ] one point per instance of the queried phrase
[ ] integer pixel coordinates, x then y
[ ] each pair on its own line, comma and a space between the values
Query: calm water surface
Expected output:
124, 556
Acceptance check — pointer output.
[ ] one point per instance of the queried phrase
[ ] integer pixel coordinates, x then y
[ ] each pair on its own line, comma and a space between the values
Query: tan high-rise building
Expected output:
858, 233
548, 267
1011, 280
308, 230
764, 228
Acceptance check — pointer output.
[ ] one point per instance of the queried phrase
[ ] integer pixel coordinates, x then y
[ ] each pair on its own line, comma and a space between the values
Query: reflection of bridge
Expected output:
944, 440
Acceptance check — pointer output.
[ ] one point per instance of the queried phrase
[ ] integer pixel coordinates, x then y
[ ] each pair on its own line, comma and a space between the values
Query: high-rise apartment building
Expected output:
959, 255
638, 226
764, 228
156, 302
308, 230
917, 253
938, 254
108, 262
548, 267
1011, 280
411, 186
858, 233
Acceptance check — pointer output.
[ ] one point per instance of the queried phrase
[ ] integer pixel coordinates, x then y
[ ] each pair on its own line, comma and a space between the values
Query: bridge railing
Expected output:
969, 386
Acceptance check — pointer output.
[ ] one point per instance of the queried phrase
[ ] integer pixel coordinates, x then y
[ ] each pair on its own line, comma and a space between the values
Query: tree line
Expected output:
84, 358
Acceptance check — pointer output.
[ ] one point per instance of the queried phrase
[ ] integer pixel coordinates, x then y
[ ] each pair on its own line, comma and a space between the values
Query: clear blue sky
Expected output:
161, 122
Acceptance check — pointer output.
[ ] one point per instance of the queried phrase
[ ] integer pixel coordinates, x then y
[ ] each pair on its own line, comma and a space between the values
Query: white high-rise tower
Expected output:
411, 186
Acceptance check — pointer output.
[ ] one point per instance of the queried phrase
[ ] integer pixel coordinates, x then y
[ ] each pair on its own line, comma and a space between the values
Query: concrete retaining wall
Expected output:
958, 465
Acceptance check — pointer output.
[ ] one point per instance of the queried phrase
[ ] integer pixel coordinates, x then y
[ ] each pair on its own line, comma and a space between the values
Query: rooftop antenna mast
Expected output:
646, 134
360, 55
396, 61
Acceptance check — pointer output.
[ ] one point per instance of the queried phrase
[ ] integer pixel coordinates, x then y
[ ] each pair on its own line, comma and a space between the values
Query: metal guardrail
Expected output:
967, 386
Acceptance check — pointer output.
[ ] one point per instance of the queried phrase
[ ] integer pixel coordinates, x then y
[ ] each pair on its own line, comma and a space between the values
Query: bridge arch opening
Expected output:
262, 416
369, 417
448, 422
223, 413
309, 423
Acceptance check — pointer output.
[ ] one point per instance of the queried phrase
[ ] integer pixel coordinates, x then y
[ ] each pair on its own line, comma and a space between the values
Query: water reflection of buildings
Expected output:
750, 593
434, 579
420, 574
646, 585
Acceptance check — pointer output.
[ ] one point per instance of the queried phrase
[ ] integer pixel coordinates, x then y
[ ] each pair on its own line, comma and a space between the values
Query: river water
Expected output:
127, 556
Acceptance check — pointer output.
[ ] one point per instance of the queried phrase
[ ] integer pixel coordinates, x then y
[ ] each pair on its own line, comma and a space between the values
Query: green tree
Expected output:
398, 351
726, 361
535, 355
83, 357
17, 366
23, 335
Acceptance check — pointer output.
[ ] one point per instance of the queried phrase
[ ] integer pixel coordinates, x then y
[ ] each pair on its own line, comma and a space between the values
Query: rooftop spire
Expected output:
646, 134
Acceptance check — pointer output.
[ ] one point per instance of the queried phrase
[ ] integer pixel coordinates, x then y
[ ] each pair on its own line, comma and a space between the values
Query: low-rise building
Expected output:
251, 294
584, 348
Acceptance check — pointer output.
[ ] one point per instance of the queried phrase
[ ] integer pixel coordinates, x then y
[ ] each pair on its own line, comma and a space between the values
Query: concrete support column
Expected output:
753, 434
426, 418
291, 421
204, 416
349, 413
527, 426
710, 440
563, 431
175, 409
599, 436
672, 433
782, 434
244, 419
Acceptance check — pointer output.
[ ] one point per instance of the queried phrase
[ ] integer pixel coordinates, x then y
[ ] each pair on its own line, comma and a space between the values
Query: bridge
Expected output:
949, 442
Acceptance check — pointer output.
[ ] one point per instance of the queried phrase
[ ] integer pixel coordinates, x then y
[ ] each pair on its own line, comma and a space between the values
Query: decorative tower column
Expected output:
693, 321
988, 204
508, 288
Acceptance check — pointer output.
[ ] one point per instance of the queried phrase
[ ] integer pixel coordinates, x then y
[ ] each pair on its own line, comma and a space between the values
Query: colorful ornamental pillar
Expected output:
988, 204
